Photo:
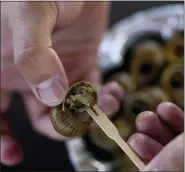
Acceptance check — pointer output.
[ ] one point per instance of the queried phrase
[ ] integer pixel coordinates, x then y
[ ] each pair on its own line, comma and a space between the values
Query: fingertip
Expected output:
132, 141
144, 120
44, 73
144, 146
110, 97
50, 92
11, 153
108, 103
165, 107
149, 123
115, 89
172, 115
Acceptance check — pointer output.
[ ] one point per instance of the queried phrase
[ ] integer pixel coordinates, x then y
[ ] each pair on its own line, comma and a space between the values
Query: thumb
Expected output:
171, 158
32, 24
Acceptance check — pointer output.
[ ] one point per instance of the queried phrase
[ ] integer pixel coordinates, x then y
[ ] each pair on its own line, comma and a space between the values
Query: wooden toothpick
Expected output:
111, 131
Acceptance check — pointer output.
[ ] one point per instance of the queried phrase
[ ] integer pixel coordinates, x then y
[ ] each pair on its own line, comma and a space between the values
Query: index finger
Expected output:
172, 115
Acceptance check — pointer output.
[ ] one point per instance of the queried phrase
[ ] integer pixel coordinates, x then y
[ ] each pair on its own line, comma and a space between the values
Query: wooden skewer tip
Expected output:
111, 131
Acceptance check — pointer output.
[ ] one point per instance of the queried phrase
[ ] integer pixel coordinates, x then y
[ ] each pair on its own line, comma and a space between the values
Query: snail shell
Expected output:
124, 164
174, 48
172, 82
144, 100
70, 118
124, 80
147, 61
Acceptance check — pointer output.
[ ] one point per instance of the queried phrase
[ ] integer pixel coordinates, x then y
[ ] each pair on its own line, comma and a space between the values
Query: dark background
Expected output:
41, 153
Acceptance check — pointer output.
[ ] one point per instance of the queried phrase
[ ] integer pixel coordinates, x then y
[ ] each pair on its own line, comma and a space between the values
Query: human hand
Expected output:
53, 45
159, 141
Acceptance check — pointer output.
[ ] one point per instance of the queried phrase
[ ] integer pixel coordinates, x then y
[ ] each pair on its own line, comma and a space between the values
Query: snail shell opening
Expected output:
172, 81
70, 118
147, 61
80, 97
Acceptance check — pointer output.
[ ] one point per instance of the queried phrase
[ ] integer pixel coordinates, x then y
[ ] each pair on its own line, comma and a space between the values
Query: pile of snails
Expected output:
154, 74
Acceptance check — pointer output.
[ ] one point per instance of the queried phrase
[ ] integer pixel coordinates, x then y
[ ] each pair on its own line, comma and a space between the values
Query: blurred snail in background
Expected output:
172, 81
147, 61
157, 94
174, 48
124, 164
144, 100
70, 118
99, 138
124, 80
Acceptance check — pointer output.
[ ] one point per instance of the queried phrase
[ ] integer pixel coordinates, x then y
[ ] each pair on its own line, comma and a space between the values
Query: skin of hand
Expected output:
159, 141
59, 36
46, 47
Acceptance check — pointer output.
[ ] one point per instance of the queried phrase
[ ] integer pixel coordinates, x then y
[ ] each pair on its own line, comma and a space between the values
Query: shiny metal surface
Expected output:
164, 20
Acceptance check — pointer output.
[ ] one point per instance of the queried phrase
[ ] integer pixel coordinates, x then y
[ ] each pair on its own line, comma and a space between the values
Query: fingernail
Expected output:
108, 104
50, 92
133, 141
